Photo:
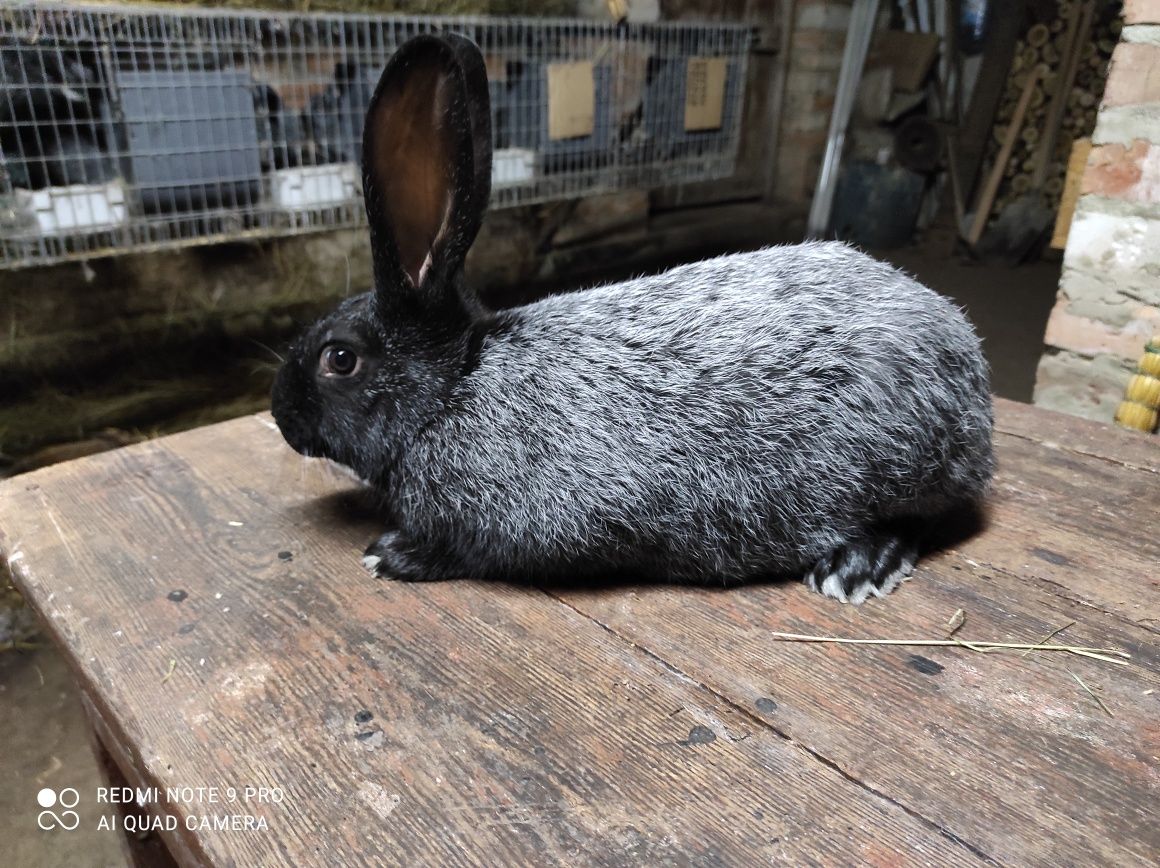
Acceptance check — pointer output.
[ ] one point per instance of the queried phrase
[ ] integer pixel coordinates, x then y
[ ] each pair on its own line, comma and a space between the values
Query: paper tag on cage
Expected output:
704, 93
496, 66
571, 100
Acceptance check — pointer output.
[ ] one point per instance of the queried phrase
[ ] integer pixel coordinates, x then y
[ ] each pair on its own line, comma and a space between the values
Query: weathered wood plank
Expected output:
140, 851
1002, 751
1059, 431
1007, 752
456, 723
1082, 522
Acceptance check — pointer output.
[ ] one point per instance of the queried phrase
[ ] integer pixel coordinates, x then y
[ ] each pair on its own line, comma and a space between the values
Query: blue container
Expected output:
191, 138
973, 24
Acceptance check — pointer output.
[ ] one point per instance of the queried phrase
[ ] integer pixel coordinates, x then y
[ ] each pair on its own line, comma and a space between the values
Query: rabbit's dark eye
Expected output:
338, 361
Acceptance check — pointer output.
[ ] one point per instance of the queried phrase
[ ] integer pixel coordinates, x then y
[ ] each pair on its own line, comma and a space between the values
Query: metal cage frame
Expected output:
129, 129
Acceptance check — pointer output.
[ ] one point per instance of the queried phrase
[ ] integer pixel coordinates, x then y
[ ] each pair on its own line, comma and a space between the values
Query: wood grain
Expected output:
1004, 751
1078, 522
1000, 750
1056, 432
1073, 183
455, 723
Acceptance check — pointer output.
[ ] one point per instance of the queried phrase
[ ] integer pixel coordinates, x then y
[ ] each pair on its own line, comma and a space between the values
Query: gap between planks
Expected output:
813, 753
1056, 589
1056, 446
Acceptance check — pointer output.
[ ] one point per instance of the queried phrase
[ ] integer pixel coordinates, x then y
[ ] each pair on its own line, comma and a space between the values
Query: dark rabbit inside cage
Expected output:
333, 122
123, 127
664, 134
53, 95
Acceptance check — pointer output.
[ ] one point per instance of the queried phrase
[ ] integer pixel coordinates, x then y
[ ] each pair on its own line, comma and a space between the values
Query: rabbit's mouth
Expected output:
296, 431
299, 438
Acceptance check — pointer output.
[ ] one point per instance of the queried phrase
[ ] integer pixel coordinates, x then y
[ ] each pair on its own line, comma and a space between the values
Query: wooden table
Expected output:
207, 590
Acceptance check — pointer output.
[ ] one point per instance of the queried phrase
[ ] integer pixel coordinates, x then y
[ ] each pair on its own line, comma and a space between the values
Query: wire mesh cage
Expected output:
124, 128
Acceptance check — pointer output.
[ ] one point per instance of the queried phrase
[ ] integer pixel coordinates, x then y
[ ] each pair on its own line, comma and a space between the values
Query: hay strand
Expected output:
1050, 635
19, 646
956, 621
1099, 701
1108, 655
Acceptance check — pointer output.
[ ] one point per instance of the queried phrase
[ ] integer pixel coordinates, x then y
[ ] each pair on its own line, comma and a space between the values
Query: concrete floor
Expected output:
1008, 306
40, 716
46, 744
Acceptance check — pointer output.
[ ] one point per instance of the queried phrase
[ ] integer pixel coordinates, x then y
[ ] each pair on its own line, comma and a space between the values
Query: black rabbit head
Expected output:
363, 380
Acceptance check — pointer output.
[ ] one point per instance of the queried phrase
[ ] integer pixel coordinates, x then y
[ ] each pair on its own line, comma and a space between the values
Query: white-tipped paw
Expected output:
867, 568
394, 556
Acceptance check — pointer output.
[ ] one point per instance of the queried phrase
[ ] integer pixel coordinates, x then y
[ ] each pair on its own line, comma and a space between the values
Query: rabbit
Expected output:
50, 103
800, 411
331, 119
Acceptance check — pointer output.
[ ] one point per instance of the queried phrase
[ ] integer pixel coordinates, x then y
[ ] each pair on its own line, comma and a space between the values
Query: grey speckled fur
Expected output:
799, 410
734, 417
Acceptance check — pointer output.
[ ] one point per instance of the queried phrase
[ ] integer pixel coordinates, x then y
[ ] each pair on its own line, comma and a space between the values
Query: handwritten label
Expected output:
571, 100
496, 66
704, 93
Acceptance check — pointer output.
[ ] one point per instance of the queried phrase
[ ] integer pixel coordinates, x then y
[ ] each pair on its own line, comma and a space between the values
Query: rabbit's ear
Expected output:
427, 164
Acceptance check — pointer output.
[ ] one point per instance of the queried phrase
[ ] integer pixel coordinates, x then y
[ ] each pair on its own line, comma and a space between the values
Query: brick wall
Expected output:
1109, 294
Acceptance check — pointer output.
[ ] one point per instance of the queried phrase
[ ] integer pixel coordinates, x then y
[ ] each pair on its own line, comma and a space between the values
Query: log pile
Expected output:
1042, 56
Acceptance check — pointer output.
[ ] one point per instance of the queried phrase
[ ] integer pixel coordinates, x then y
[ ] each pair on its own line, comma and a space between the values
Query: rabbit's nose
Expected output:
295, 430
295, 433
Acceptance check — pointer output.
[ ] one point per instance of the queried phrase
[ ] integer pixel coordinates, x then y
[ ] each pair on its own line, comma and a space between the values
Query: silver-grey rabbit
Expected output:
799, 411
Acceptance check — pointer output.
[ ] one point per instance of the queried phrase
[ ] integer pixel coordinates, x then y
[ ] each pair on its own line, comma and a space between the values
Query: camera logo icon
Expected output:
66, 819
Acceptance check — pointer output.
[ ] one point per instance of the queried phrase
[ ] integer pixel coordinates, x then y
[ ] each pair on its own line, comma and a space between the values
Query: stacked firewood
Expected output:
1042, 57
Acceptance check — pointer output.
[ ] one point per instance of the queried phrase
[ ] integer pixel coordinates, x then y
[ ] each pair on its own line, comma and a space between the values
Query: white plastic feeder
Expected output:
74, 209
315, 186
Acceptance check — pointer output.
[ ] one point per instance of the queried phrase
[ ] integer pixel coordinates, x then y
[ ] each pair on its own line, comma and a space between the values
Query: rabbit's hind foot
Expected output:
395, 556
872, 566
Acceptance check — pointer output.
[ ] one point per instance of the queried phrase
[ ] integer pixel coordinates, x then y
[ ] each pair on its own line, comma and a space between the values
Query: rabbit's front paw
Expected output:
863, 568
394, 556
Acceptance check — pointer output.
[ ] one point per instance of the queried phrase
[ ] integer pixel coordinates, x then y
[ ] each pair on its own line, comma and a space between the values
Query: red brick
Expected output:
1093, 337
1128, 173
1134, 77
1142, 11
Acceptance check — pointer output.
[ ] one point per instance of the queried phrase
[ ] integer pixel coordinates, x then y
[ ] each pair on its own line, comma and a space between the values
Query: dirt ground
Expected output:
1009, 307
40, 716
46, 745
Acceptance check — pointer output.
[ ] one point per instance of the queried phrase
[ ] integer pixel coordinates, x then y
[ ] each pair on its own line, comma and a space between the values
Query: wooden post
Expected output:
1076, 40
988, 92
987, 199
1076, 164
